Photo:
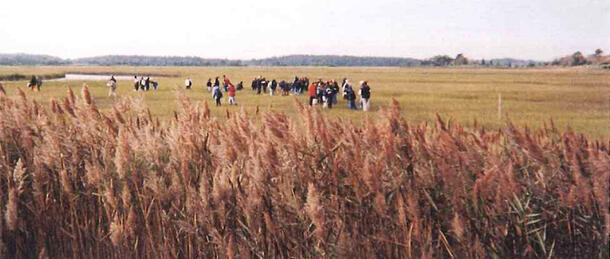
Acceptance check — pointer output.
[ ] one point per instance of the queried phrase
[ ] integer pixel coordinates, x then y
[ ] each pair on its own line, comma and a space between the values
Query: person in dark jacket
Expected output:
136, 83
365, 95
295, 85
335, 90
216, 82
33, 83
217, 94
264, 84
147, 84
284, 87
350, 95
259, 85
254, 84
208, 84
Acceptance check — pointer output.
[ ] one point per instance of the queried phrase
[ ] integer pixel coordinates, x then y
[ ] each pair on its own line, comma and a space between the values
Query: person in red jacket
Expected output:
232, 94
313, 93
226, 82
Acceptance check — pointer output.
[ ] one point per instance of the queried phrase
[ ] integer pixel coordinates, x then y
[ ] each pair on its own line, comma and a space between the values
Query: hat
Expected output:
362, 82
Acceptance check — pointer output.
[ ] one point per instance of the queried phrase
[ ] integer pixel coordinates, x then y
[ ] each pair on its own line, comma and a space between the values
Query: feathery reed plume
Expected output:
87, 95
11, 215
116, 231
315, 211
15, 185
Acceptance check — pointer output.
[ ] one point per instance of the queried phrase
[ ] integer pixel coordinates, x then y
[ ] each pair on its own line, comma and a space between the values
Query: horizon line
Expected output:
279, 56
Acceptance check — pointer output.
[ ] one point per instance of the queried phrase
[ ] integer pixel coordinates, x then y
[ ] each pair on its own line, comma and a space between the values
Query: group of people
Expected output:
217, 94
325, 93
321, 92
142, 84
261, 85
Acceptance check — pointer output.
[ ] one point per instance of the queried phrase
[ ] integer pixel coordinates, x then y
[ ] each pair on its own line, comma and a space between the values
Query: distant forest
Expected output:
576, 59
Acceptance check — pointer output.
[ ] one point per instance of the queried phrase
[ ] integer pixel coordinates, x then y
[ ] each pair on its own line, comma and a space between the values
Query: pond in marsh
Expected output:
91, 77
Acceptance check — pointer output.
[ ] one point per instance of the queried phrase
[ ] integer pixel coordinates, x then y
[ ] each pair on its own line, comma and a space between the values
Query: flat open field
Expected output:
578, 98
79, 183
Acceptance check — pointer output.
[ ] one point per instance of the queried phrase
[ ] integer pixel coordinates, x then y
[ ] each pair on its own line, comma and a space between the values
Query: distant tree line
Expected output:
21, 59
334, 60
133, 60
576, 59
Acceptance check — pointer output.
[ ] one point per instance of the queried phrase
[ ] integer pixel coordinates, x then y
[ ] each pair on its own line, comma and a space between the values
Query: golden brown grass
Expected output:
575, 98
79, 182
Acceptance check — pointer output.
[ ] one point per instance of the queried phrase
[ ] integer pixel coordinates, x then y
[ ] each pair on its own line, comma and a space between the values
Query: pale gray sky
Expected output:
537, 29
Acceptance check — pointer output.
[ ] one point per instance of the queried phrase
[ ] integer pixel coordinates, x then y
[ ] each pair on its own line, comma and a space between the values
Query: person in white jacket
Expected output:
188, 83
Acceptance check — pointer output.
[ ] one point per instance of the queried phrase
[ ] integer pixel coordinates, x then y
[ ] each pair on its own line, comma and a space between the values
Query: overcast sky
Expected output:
537, 29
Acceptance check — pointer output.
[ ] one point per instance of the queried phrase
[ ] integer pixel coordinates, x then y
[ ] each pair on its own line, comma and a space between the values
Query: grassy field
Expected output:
77, 182
575, 98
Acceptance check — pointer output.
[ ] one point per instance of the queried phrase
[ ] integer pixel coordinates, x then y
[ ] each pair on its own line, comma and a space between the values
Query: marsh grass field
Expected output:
575, 98
160, 175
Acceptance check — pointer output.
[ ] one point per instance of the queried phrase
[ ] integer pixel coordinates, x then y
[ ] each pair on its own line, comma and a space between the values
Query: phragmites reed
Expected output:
315, 211
15, 186
78, 182
11, 215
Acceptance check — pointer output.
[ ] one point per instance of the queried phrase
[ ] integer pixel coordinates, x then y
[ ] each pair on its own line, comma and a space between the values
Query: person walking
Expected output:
258, 84
217, 94
226, 82
113, 86
328, 96
313, 93
320, 92
365, 95
142, 83
344, 86
272, 87
216, 83
334, 91
33, 82
263, 84
136, 83
188, 83
232, 95
295, 86
209, 84
254, 84
350, 95
147, 83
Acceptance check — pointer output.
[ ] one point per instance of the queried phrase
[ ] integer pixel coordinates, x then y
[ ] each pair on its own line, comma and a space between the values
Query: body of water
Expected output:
88, 77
